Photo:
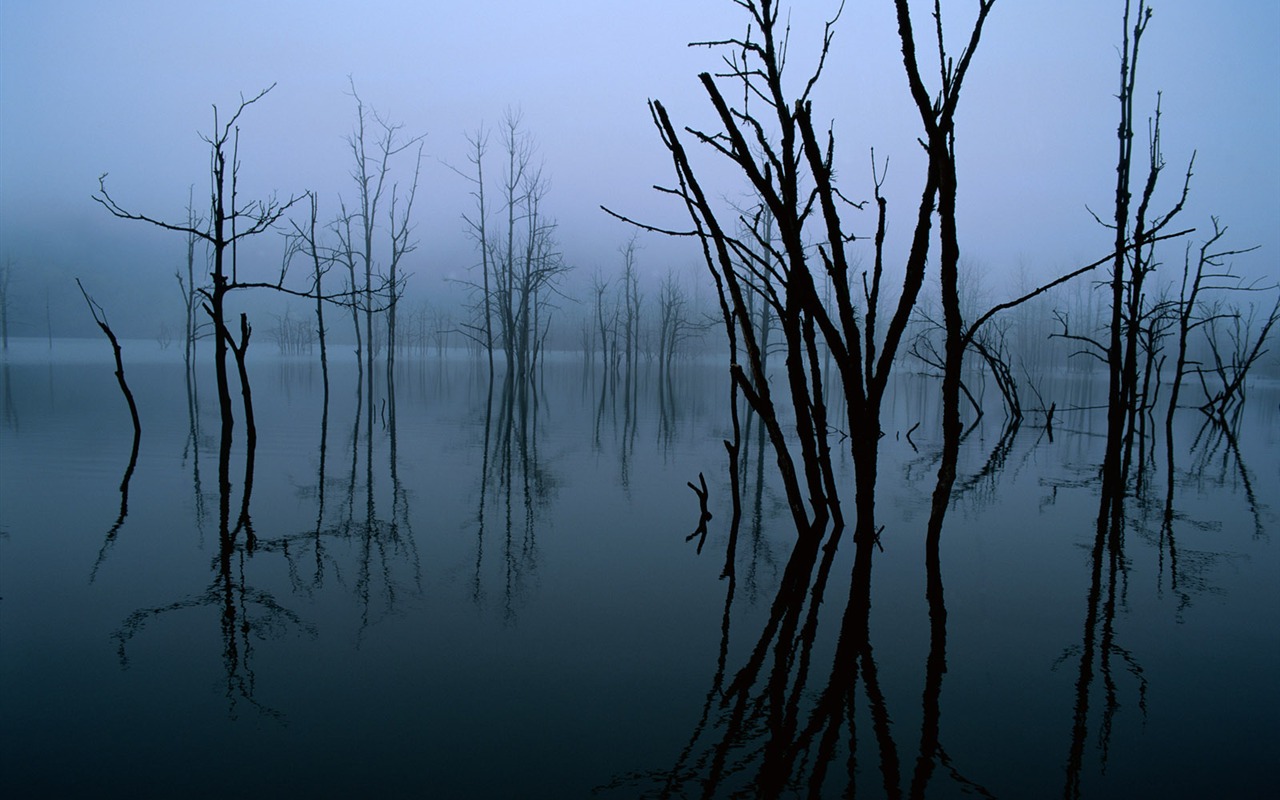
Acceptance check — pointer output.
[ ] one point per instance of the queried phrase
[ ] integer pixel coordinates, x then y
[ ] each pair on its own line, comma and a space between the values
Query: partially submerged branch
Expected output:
100, 317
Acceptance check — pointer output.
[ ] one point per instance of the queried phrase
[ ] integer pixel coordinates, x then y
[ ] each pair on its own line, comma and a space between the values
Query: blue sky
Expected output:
125, 88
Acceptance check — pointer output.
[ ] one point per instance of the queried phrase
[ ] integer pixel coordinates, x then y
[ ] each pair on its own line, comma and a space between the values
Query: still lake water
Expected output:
484, 600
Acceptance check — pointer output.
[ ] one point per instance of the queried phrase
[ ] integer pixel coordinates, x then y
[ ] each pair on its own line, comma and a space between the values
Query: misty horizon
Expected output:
130, 95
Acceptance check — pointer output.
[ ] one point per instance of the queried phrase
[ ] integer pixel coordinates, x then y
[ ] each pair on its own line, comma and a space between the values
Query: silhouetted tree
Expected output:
526, 263
321, 262
674, 323
374, 143
479, 230
630, 307
227, 225
345, 254
1132, 261
100, 317
790, 169
189, 289
937, 114
605, 318
1246, 339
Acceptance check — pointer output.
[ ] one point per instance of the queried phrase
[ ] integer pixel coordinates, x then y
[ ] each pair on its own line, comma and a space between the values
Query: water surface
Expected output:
472, 593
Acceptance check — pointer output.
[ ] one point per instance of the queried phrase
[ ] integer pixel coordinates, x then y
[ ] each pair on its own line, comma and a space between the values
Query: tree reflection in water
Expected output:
110, 538
387, 565
773, 727
245, 612
1100, 654
807, 694
511, 468
1100, 649
781, 723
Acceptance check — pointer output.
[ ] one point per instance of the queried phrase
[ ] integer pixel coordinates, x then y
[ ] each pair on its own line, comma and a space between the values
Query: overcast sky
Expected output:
126, 87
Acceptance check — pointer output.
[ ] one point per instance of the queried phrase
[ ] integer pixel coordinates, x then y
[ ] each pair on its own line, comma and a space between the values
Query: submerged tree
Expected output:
374, 143
523, 259
675, 323
1135, 232
1246, 338
630, 300
606, 318
790, 168
478, 228
793, 254
100, 317
1206, 272
321, 262
228, 224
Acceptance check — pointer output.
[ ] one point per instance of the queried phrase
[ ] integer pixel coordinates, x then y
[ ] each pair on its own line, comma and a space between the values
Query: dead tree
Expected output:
519, 152
346, 256
1135, 233
994, 351
321, 262
599, 288
540, 268
1212, 273
514, 263
228, 223
924, 349
790, 169
478, 228
630, 306
524, 259
674, 324
374, 143
1193, 281
240, 350
189, 289
937, 115
704, 516
401, 245
100, 317
1246, 347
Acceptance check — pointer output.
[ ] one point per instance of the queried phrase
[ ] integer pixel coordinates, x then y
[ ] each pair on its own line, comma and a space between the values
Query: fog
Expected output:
494, 581
127, 89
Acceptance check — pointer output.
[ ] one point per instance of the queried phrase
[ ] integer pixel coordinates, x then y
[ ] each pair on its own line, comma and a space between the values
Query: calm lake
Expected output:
484, 595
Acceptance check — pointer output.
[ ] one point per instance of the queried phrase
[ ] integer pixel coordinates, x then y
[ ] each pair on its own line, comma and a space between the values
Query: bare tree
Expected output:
525, 261
478, 228
321, 262
188, 287
100, 317
938, 118
401, 245
227, 225
673, 320
518, 150
374, 143
599, 289
346, 255
630, 306
790, 169
1246, 337
540, 269
1211, 273
1135, 233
